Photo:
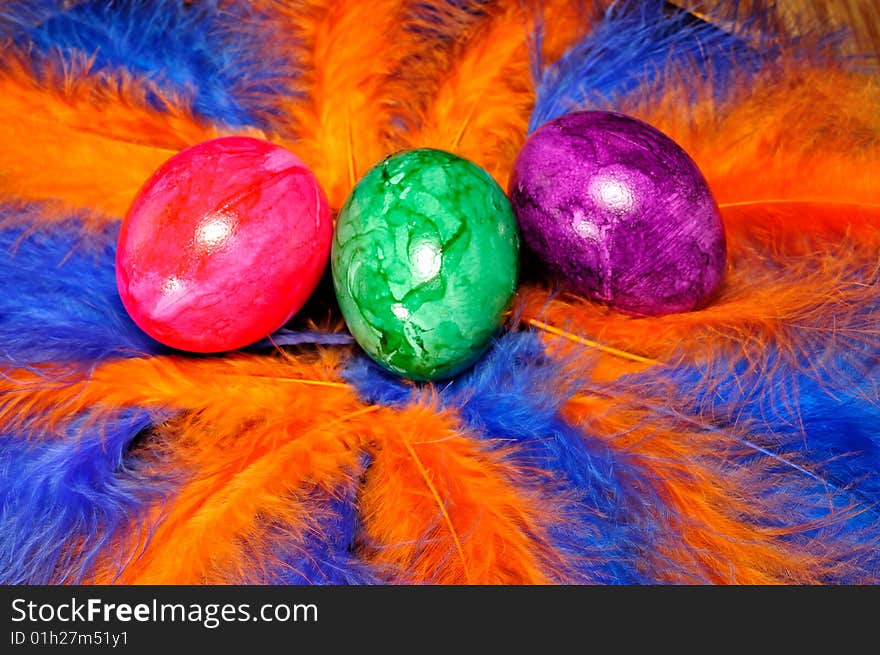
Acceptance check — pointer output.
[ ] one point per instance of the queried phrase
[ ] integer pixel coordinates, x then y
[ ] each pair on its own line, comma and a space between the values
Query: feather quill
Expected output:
441, 507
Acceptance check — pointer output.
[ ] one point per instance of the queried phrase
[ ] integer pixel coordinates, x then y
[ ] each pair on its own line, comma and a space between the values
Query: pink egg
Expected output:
223, 245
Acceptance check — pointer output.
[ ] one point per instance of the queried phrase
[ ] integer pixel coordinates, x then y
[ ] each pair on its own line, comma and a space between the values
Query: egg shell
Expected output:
620, 213
425, 260
223, 245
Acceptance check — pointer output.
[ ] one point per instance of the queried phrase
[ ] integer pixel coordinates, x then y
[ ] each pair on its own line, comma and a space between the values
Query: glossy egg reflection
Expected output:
222, 245
425, 262
620, 213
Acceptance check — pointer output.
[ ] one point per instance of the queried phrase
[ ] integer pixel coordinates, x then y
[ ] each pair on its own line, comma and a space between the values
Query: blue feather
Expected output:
19, 16
217, 51
69, 499
818, 433
505, 397
62, 304
636, 43
325, 554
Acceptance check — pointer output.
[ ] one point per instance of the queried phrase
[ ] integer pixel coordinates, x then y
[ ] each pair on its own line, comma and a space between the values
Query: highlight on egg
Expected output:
223, 245
620, 213
425, 261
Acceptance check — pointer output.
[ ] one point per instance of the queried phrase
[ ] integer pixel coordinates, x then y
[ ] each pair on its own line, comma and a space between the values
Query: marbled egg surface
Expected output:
223, 245
425, 260
620, 212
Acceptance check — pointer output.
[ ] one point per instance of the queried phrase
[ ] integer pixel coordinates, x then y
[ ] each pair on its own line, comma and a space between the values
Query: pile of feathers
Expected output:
737, 444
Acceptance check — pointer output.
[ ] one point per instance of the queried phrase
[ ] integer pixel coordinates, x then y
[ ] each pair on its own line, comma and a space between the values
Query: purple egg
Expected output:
620, 212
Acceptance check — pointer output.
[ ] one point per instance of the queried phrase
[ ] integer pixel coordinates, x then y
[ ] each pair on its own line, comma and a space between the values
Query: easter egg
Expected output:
425, 260
222, 245
620, 212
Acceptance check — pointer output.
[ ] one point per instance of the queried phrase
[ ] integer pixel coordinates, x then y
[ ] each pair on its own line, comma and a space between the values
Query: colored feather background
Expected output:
738, 444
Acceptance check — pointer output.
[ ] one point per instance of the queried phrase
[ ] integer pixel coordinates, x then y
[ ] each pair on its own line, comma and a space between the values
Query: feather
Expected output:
813, 444
69, 501
440, 507
635, 498
326, 553
479, 109
207, 50
721, 527
430, 36
853, 22
172, 382
217, 521
245, 463
559, 24
637, 46
88, 140
601, 507
341, 126
17, 16
440, 38
65, 307
595, 535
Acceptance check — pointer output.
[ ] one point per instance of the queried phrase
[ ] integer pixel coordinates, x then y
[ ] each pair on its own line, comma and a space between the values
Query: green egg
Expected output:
425, 260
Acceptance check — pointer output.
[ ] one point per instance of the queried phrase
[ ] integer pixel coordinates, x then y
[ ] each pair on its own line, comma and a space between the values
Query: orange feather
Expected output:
341, 126
801, 133
720, 527
481, 105
441, 507
802, 193
87, 139
431, 43
245, 477
251, 434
